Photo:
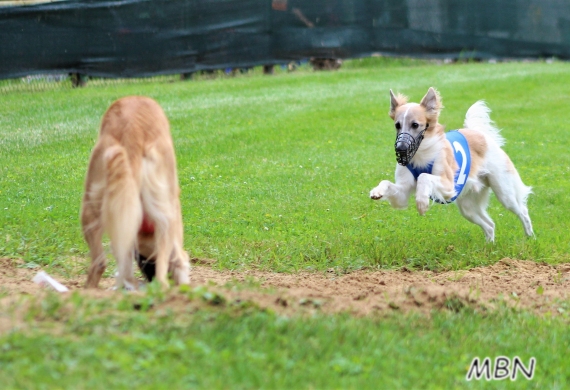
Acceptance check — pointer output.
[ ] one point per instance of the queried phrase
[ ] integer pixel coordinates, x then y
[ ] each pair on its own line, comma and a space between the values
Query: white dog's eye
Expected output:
398, 126
414, 125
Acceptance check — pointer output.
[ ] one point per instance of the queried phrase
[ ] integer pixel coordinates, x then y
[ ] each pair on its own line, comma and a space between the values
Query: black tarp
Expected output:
128, 38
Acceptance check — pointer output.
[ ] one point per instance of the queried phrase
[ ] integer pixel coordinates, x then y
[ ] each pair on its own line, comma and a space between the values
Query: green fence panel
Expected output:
128, 38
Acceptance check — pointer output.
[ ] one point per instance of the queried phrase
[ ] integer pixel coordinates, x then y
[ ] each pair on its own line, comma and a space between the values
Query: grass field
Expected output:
275, 174
109, 345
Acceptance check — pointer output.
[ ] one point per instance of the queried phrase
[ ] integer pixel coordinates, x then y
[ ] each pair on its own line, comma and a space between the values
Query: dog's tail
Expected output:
121, 209
477, 118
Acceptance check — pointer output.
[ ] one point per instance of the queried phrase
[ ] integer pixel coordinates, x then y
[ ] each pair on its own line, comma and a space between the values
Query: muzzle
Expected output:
406, 146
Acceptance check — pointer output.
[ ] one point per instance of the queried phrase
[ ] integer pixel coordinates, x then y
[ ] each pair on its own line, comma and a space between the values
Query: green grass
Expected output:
101, 344
275, 171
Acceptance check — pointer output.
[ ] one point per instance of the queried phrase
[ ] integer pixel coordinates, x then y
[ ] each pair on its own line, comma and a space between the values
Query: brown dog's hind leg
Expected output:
162, 266
97, 267
180, 263
180, 267
93, 236
91, 222
163, 247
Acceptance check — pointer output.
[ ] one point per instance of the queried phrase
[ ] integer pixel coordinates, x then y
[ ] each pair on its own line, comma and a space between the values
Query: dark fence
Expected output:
127, 38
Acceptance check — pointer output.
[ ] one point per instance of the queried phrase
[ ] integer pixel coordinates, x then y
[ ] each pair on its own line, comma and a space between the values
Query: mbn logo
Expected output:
503, 368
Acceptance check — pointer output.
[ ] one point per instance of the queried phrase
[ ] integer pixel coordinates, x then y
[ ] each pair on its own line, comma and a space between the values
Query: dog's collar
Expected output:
462, 157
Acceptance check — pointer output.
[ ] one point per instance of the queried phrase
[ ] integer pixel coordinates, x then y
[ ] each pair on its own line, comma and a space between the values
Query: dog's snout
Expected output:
401, 146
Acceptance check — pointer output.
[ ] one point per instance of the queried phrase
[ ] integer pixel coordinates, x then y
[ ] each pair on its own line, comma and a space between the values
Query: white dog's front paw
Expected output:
380, 191
422, 205
375, 194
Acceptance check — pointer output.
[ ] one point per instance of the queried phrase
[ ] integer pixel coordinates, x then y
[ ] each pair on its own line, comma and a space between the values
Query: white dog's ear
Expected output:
432, 103
395, 102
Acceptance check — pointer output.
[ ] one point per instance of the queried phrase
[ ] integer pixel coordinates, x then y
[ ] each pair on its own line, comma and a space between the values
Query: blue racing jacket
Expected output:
462, 156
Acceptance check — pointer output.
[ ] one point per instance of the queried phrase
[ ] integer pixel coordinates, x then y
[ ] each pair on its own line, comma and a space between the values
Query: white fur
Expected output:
478, 118
408, 110
496, 173
429, 149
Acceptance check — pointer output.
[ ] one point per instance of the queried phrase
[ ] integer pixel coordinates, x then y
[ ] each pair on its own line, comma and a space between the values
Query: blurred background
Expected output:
75, 40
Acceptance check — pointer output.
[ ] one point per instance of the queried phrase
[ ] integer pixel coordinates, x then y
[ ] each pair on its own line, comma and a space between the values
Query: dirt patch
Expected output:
524, 284
16, 278
528, 285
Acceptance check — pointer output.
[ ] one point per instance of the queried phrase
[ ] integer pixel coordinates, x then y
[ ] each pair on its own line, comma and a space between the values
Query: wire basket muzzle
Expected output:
406, 147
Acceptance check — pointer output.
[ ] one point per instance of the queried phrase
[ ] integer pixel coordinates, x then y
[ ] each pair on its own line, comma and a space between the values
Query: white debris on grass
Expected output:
44, 280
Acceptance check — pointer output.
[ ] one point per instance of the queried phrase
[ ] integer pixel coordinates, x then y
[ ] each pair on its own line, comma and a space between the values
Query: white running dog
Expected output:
461, 165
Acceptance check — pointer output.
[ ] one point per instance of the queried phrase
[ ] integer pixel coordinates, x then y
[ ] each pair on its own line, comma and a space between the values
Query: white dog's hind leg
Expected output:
473, 206
513, 194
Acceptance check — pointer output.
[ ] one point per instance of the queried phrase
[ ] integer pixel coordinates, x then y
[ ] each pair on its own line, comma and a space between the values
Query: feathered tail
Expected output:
477, 118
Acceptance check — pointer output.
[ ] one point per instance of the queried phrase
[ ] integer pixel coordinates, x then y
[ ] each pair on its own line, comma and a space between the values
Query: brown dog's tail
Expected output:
122, 209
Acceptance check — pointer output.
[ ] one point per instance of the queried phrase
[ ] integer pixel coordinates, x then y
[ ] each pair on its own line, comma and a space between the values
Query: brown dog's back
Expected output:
138, 123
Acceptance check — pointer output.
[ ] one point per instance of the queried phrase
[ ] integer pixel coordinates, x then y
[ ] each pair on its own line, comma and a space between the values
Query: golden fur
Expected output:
132, 182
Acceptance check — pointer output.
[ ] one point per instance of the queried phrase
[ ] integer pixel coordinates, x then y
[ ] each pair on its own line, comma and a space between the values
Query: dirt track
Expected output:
538, 287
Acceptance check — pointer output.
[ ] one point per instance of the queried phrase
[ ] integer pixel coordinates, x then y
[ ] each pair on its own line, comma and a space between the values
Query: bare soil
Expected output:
528, 285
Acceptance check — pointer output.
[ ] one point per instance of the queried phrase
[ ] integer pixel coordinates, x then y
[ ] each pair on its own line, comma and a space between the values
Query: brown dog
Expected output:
132, 194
